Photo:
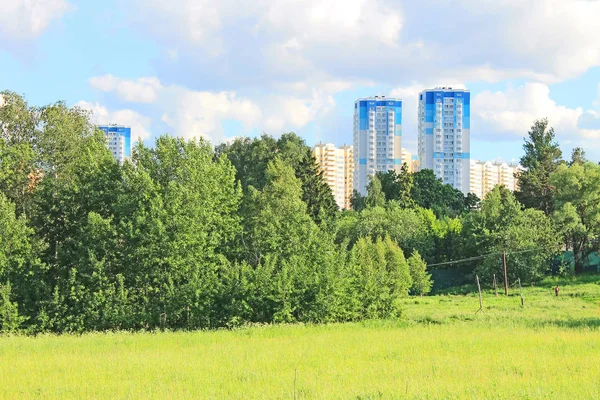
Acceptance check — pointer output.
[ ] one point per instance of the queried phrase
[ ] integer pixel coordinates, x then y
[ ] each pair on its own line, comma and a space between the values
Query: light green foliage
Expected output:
18, 121
375, 196
421, 280
407, 227
19, 260
383, 277
184, 237
277, 221
502, 225
10, 320
577, 199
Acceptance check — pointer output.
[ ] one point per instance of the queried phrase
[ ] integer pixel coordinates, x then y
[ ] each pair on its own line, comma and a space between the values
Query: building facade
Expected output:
485, 175
444, 135
337, 164
411, 161
377, 138
118, 138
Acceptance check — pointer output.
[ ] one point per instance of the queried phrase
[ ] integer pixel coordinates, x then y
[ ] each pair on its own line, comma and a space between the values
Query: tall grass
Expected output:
441, 349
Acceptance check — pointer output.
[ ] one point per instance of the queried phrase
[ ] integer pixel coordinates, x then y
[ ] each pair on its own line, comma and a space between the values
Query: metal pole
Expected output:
521, 294
480, 298
505, 274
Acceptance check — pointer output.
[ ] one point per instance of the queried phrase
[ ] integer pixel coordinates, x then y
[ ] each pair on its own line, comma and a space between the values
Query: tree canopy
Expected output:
186, 236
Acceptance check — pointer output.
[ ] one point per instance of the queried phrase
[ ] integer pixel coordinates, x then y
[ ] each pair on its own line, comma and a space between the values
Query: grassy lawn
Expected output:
441, 349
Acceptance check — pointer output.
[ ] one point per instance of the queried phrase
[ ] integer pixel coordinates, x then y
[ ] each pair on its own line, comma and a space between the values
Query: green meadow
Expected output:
441, 348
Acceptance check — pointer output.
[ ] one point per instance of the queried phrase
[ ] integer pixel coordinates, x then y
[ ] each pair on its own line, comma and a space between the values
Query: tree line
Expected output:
187, 236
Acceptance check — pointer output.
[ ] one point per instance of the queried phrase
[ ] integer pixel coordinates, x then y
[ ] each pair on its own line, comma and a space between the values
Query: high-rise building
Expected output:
118, 139
377, 138
444, 135
485, 175
337, 164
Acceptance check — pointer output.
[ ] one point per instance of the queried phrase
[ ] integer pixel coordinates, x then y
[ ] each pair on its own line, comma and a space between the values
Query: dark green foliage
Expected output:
428, 191
542, 157
398, 187
577, 208
250, 157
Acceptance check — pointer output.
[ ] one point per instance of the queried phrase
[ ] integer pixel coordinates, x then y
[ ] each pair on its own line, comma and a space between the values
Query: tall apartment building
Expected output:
444, 134
377, 138
118, 139
485, 175
337, 164
411, 160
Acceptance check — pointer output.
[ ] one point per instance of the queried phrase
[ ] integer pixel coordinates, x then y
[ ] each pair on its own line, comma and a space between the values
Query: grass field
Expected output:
440, 350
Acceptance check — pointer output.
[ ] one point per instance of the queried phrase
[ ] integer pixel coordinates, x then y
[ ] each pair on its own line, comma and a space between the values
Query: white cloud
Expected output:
191, 113
390, 41
139, 124
508, 115
200, 114
298, 23
513, 111
26, 19
142, 90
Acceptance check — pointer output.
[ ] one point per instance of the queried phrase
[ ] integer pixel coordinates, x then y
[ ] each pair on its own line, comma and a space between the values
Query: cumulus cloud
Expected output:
513, 111
142, 90
191, 113
391, 41
508, 115
26, 19
200, 114
139, 124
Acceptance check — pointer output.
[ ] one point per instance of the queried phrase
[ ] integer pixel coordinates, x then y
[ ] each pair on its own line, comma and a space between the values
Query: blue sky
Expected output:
224, 69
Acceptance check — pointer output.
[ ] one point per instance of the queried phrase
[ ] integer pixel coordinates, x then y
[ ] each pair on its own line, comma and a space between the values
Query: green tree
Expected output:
542, 157
428, 191
527, 236
397, 186
409, 228
577, 199
383, 277
578, 156
10, 320
18, 120
251, 157
20, 265
421, 280
358, 201
18, 173
375, 196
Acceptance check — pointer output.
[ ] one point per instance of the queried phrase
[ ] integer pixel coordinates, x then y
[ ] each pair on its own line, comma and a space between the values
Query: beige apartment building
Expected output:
485, 175
407, 158
337, 164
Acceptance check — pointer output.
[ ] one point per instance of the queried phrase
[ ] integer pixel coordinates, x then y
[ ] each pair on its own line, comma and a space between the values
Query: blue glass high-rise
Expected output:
377, 138
118, 139
445, 135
